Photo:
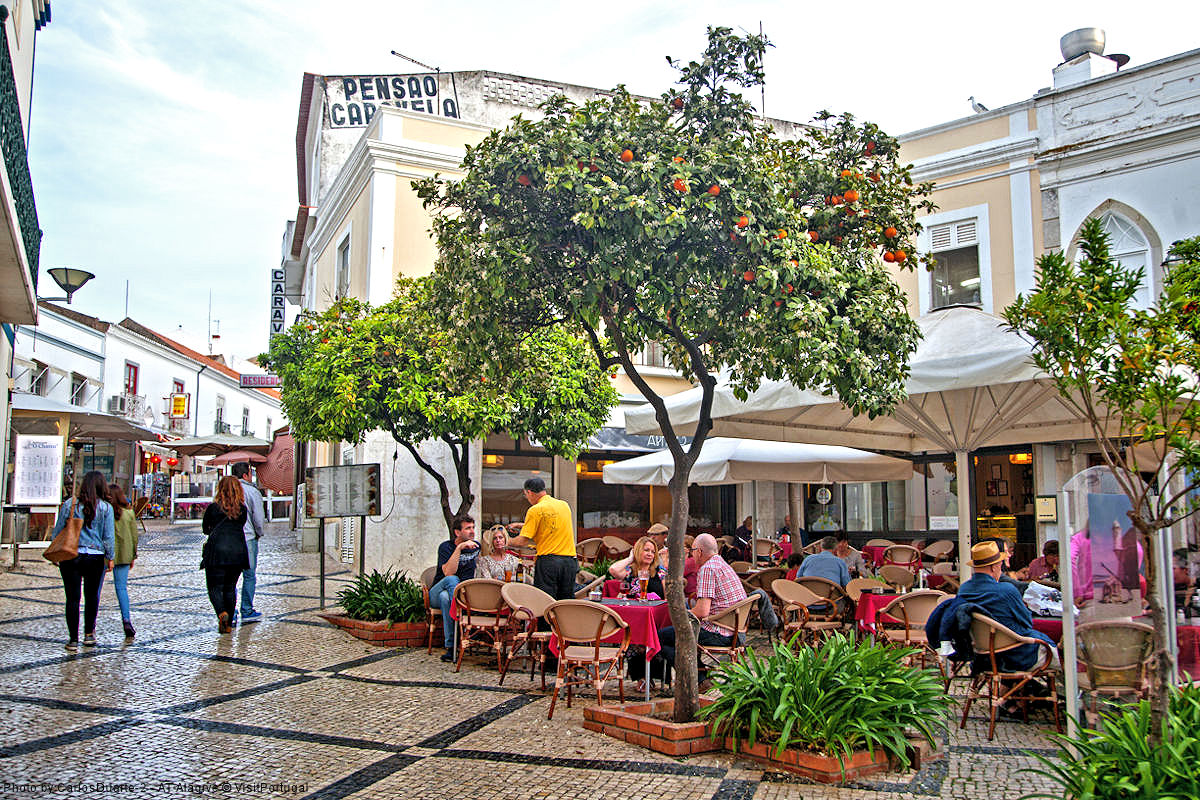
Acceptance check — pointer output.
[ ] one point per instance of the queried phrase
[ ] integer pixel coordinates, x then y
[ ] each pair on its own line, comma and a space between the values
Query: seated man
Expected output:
1045, 567
826, 564
455, 563
717, 588
1002, 602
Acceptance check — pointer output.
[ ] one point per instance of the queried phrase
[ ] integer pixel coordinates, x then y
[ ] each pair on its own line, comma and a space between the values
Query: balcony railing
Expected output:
180, 427
16, 160
222, 427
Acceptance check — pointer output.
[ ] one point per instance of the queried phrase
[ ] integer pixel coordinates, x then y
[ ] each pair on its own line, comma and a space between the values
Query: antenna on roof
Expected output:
418, 63
438, 71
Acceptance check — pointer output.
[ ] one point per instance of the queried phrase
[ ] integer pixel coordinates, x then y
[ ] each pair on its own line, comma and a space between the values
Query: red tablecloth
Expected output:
644, 622
866, 611
785, 550
1051, 626
934, 581
873, 555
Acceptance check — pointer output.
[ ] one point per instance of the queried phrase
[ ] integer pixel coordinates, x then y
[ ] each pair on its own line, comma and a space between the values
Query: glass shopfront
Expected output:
504, 478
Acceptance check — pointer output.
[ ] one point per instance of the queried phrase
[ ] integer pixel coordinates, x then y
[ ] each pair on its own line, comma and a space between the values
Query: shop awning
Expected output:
217, 444
32, 413
742, 460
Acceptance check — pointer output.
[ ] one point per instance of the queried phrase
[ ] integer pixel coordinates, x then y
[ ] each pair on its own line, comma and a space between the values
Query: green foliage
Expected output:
834, 698
403, 367
379, 596
1120, 763
550, 222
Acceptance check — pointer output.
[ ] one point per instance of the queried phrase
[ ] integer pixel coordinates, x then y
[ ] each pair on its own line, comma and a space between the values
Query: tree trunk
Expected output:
687, 695
1163, 671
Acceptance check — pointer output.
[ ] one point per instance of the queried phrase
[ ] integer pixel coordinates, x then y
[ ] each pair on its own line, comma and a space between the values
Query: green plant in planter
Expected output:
835, 698
389, 595
1119, 762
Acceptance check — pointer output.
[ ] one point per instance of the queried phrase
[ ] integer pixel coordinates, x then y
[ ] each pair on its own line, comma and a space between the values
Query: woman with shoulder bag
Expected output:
225, 556
96, 551
126, 551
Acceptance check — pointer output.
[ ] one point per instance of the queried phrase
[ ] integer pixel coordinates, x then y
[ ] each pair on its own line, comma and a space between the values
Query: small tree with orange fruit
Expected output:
689, 222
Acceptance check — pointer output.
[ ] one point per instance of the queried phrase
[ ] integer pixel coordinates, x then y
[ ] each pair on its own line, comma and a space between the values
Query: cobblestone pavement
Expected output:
292, 707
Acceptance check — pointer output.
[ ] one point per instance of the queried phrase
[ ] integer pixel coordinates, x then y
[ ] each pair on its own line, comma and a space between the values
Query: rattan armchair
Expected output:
481, 620
528, 606
581, 628
990, 639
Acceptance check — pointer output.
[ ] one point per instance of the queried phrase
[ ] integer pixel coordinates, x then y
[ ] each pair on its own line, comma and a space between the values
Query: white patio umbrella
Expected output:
971, 384
742, 460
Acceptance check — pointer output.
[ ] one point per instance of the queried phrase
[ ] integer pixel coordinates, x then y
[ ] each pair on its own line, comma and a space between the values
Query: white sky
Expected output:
163, 134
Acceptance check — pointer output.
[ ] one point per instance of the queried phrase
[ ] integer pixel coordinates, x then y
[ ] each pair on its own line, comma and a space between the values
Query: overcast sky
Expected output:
162, 139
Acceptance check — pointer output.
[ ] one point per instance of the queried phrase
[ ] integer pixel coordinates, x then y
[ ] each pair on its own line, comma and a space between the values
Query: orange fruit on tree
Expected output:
748, 276
678, 159
870, 147
889, 256
838, 199
788, 288
714, 190
781, 234
814, 235
523, 180
875, 177
851, 196
901, 255
594, 168
743, 221
627, 155
677, 102
890, 232
680, 185
778, 303
846, 173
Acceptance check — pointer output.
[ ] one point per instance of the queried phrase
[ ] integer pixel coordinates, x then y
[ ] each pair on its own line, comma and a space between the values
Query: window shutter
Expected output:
939, 237
965, 233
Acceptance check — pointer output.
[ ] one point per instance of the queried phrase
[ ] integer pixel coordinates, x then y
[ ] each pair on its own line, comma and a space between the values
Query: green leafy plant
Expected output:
388, 595
833, 699
1120, 762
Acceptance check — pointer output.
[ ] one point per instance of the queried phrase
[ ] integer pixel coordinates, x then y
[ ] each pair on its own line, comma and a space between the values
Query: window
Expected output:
343, 268
79, 385
220, 415
651, 355
41, 375
269, 428
176, 387
245, 421
131, 378
956, 277
1129, 247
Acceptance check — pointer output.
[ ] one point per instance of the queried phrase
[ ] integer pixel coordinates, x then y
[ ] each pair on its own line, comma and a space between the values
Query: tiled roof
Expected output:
71, 314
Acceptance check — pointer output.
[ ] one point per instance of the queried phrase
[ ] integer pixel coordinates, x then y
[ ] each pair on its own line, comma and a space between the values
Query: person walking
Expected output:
96, 551
126, 536
224, 556
254, 532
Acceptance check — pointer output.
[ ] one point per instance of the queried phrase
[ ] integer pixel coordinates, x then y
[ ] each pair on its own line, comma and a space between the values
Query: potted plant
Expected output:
833, 712
1121, 762
383, 609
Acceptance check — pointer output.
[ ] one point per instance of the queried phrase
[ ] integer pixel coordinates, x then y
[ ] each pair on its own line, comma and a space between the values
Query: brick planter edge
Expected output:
385, 633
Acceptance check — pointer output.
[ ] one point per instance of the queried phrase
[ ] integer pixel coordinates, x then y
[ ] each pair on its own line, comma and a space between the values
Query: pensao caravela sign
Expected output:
352, 100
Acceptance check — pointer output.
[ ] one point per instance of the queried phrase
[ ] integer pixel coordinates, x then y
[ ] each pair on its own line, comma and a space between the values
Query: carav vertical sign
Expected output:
277, 307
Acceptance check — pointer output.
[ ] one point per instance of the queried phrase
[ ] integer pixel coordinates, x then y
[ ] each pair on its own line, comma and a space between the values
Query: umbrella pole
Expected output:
962, 460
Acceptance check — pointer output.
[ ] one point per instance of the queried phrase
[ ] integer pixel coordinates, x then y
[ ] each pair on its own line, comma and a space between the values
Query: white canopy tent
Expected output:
743, 460
971, 384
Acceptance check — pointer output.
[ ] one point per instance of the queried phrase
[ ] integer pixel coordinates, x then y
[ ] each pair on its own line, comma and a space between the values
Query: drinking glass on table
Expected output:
643, 583
508, 575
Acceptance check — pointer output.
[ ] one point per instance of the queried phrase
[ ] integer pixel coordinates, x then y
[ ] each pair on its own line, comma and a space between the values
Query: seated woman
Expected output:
794, 561
853, 558
496, 560
642, 562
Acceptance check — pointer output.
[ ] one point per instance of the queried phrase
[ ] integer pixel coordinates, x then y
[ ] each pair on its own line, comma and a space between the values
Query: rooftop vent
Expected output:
1083, 40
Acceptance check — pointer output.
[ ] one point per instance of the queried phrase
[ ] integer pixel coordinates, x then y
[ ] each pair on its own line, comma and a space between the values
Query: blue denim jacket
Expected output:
100, 535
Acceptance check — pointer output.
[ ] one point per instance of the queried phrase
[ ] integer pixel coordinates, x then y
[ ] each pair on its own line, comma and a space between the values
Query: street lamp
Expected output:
69, 279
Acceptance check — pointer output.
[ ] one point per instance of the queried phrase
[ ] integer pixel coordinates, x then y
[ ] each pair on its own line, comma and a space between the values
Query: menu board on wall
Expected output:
351, 490
38, 470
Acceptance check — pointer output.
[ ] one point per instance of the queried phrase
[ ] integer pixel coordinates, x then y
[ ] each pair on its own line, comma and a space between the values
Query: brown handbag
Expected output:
65, 545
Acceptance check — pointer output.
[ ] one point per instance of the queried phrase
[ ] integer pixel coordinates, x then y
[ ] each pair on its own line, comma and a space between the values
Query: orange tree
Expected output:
687, 221
1131, 374
402, 368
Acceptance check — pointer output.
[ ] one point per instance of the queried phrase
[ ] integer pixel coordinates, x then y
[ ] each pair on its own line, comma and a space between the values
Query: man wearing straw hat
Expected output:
1002, 602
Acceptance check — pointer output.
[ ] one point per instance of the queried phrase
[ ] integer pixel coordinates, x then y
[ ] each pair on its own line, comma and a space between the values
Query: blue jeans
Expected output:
120, 573
441, 594
248, 579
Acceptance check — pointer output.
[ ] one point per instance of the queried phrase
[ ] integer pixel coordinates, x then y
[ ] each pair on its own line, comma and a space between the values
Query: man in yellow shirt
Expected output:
548, 529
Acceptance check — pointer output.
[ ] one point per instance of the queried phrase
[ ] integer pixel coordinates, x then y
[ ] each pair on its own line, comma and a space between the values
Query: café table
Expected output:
645, 618
866, 611
873, 555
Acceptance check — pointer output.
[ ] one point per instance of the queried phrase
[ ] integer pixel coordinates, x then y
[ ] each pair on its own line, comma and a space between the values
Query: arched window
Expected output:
1130, 247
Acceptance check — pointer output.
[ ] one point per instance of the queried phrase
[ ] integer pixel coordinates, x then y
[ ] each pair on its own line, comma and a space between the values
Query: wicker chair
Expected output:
902, 622
528, 605
589, 551
899, 578
617, 547
943, 568
903, 555
939, 550
989, 638
855, 587
799, 623
433, 614
741, 567
812, 548
480, 617
765, 550
1116, 655
879, 543
836, 597
584, 657
736, 620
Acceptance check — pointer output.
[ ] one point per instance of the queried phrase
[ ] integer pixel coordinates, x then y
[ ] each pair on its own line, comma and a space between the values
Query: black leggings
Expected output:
87, 568
222, 588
